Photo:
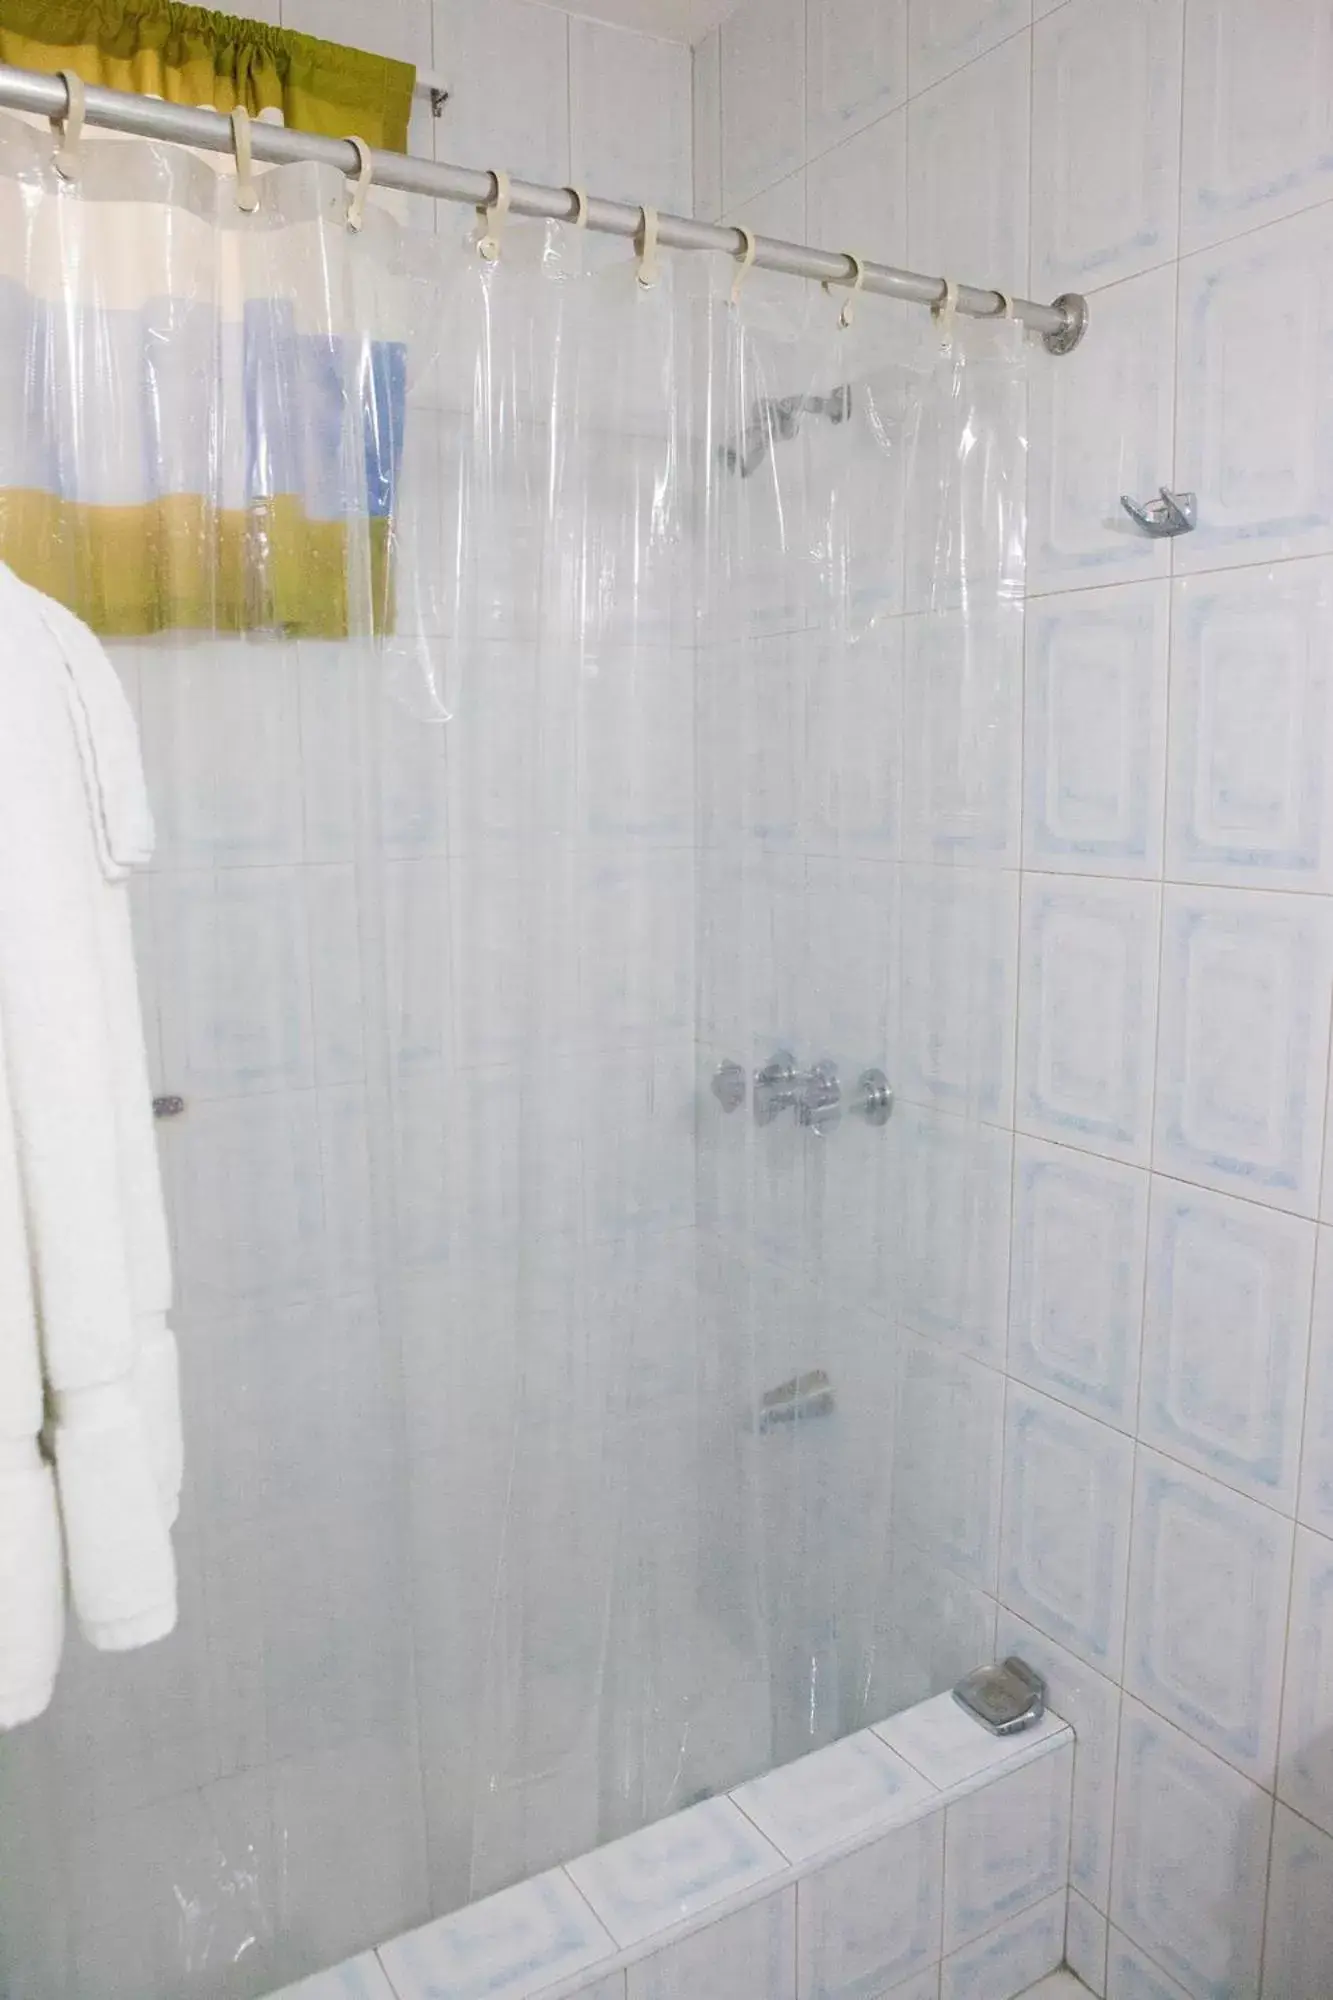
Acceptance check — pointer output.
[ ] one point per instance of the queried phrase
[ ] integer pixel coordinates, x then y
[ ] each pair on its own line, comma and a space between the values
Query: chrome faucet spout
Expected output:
814, 1094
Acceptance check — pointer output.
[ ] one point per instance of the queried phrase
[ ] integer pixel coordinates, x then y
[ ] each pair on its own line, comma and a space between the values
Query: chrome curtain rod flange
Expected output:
1060, 325
1075, 309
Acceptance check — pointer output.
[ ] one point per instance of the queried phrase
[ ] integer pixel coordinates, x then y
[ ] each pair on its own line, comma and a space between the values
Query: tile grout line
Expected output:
1140, 580
1136, 1458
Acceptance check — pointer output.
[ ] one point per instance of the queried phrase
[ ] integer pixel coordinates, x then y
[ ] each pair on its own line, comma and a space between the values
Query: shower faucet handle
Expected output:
774, 1086
814, 1094
819, 1098
874, 1097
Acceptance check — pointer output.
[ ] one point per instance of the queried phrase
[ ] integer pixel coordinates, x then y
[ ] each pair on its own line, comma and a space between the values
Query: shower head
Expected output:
775, 419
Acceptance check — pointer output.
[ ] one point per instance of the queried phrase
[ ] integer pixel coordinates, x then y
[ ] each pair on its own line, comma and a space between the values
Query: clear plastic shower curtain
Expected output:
551, 1345
562, 1448
202, 450
860, 677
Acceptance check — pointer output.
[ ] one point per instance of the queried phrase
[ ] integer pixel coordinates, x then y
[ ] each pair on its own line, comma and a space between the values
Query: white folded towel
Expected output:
122, 1575
70, 823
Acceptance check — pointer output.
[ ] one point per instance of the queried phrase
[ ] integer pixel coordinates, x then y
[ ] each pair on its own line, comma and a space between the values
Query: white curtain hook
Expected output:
247, 194
580, 199
747, 256
647, 240
492, 216
946, 306
856, 281
69, 128
356, 200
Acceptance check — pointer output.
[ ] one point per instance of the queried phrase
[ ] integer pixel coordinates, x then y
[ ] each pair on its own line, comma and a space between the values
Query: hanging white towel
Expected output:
122, 1574
104, 728
82, 1119
32, 1587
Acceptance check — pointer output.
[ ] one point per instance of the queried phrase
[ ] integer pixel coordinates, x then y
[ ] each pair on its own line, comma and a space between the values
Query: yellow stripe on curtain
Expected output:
191, 56
180, 564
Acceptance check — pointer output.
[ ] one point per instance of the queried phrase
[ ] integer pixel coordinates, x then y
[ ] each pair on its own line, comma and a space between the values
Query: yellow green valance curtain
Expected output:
189, 55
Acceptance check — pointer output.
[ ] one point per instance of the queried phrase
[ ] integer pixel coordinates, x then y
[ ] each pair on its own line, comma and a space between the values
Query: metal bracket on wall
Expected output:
1169, 514
1075, 309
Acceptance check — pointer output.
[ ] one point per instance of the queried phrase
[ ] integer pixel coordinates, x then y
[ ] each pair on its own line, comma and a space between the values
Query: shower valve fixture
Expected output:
774, 1087
874, 1097
819, 1098
775, 419
780, 1086
815, 1094
1169, 514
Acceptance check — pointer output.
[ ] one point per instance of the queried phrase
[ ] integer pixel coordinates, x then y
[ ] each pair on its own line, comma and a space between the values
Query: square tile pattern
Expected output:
537, 1933
1150, 753
1207, 1611
752, 1952
671, 1871
927, 1850
834, 1797
1009, 1959
1064, 1554
1191, 1850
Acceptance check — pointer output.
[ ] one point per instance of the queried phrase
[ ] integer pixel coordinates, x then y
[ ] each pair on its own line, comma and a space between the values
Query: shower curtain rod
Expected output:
1061, 324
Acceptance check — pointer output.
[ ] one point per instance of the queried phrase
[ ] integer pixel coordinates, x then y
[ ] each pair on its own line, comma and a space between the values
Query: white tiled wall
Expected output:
1158, 1529
851, 1872
247, 1799
1118, 1415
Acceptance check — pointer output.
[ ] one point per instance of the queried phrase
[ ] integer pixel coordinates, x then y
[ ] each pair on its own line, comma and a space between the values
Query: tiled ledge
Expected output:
861, 1832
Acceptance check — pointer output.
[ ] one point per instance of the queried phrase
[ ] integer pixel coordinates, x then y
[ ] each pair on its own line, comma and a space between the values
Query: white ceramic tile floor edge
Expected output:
955, 1754
1061, 1985
576, 1983
1003, 1757
1047, 1746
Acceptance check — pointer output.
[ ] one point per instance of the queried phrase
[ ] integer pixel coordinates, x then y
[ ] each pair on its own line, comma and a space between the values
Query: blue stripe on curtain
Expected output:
125, 390
296, 386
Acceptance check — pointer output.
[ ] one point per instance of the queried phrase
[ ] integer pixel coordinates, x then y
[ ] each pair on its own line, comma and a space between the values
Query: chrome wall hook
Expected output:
1169, 514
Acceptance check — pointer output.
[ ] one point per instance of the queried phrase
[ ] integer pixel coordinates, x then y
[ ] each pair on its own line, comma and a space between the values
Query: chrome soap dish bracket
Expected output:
1169, 514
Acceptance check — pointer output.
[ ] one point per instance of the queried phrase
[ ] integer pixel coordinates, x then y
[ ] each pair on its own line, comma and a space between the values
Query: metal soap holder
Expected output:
1005, 1699
1169, 514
